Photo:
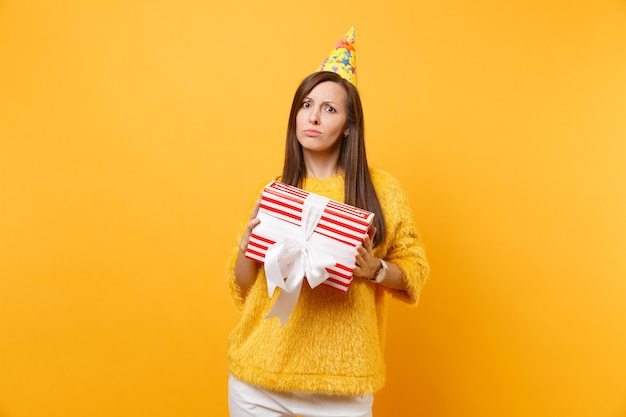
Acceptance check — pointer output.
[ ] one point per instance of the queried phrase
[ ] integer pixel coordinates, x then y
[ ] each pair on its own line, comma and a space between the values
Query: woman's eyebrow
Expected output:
323, 101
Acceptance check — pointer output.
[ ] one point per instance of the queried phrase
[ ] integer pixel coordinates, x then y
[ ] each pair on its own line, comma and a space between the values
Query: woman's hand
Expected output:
366, 263
252, 223
246, 269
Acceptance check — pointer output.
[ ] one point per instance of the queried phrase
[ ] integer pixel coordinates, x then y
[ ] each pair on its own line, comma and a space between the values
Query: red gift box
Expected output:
338, 230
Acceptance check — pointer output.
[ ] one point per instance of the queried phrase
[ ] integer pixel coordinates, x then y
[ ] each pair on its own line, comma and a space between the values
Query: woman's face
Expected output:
321, 120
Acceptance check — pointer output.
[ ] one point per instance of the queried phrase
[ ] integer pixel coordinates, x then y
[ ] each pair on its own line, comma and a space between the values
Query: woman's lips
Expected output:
312, 132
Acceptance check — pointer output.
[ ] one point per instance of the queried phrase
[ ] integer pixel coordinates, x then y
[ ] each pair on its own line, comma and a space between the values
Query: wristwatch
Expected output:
381, 273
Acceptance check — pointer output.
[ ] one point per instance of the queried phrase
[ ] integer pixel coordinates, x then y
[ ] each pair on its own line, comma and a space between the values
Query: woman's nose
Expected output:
314, 117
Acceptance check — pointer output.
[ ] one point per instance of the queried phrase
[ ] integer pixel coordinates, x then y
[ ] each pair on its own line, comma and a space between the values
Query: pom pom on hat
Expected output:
342, 59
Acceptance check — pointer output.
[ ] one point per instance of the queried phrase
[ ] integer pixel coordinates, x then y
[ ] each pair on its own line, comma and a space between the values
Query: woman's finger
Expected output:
253, 223
367, 244
372, 232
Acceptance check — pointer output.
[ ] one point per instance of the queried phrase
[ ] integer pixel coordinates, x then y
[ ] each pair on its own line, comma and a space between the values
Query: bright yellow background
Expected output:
134, 133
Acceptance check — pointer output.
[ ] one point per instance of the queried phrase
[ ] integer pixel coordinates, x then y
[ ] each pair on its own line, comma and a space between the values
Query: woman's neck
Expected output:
323, 173
322, 167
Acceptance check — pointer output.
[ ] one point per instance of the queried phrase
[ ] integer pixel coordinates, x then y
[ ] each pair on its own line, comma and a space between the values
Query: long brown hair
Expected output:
359, 190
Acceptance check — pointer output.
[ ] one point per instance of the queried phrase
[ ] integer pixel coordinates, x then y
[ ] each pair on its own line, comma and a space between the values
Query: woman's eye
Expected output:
306, 104
329, 109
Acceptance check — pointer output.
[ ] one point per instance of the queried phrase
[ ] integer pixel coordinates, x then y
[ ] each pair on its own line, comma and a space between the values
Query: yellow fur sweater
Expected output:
333, 341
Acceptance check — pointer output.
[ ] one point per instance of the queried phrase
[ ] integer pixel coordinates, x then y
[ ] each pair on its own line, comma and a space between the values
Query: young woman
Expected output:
328, 359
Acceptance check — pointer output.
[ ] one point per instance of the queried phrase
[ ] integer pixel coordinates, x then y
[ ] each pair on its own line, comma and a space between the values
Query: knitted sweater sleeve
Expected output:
403, 245
235, 289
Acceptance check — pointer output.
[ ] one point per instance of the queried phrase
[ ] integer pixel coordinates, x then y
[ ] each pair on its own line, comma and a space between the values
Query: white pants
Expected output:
245, 400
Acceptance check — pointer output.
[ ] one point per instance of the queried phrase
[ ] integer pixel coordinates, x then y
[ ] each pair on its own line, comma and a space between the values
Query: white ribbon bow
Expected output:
290, 260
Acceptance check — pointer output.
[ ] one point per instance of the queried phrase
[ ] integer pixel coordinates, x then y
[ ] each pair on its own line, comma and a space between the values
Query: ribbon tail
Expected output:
284, 305
273, 273
293, 283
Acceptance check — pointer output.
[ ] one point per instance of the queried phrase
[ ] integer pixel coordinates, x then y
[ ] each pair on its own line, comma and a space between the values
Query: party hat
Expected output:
342, 59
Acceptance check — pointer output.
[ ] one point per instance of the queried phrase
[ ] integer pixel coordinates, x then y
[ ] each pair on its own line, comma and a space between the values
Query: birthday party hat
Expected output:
342, 59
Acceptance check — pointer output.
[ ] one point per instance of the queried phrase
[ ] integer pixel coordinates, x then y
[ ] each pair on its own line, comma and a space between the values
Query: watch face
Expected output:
381, 275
